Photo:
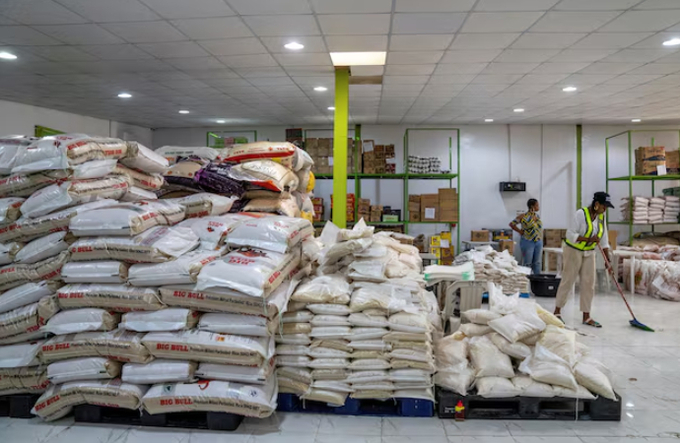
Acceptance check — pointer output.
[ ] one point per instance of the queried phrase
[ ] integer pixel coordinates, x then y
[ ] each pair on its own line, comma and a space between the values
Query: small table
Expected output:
473, 244
427, 257
558, 252
615, 263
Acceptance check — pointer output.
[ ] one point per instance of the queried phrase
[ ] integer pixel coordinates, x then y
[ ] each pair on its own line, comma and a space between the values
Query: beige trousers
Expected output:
575, 264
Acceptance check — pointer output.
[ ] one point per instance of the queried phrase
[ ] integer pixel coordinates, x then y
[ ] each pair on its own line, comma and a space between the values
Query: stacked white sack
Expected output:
499, 268
517, 348
657, 207
637, 209
671, 209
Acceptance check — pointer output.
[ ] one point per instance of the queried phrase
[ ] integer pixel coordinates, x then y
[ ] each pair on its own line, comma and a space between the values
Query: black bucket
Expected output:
544, 285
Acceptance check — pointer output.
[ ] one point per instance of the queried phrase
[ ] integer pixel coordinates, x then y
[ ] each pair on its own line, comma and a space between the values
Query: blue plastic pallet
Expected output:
399, 407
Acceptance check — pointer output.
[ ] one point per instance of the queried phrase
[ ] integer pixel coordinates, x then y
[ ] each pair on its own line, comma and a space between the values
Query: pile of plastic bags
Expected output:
655, 278
499, 268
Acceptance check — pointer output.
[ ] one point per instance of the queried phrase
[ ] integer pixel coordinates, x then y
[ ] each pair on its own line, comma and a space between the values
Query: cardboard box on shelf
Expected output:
389, 151
414, 216
552, 238
479, 236
325, 147
376, 213
650, 153
673, 162
649, 167
429, 207
415, 198
506, 245
448, 198
448, 215
501, 234
390, 218
447, 252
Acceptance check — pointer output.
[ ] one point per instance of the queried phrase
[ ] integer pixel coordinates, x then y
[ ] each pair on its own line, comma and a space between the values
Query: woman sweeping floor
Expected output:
587, 229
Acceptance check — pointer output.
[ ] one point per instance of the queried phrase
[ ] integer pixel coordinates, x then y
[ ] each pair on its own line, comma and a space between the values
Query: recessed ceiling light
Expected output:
672, 42
331, 108
124, 95
518, 110
488, 120
7, 56
183, 111
358, 58
321, 88
636, 120
570, 89
220, 121
295, 46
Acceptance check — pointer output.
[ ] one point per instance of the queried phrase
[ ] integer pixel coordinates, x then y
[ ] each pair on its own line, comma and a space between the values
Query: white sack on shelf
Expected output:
89, 368
171, 319
159, 371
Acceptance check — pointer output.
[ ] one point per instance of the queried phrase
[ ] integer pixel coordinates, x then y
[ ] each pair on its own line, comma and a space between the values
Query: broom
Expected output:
634, 322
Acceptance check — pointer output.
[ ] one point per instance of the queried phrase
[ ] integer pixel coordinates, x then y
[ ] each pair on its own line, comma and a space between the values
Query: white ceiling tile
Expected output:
526, 55
173, 49
414, 42
509, 68
636, 55
356, 43
483, 41
22, 35
351, 6
371, 70
62, 53
658, 4
427, 23
311, 71
640, 21
267, 7
595, 5
282, 25
304, 59
234, 46
560, 68
515, 5
541, 79
248, 61
434, 5
78, 34
311, 43
627, 79
196, 64
470, 56
617, 40
582, 55
460, 68
409, 69
657, 68
487, 79
609, 68
500, 21
585, 79
173, 9
39, 12
146, 32
414, 58
451, 79
212, 28
535, 40
572, 21
354, 24
116, 52
405, 79
102, 11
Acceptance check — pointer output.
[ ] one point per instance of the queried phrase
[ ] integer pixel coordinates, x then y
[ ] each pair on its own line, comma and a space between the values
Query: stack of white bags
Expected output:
657, 205
671, 209
636, 209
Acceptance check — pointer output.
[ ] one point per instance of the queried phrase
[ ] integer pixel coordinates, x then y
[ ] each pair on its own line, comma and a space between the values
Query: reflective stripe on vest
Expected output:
584, 246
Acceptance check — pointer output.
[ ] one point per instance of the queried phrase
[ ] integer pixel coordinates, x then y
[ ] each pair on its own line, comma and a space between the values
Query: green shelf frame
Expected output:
630, 178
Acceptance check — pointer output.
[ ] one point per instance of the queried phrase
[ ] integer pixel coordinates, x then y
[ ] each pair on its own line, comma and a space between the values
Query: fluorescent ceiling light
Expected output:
295, 46
7, 56
518, 110
672, 42
636, 120
124, 95
488, 120
570, 89
321, 88
331, 108
220, 121
358, 58
183, 111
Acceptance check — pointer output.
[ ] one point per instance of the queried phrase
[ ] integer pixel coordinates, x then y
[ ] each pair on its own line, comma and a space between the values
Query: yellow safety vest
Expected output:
584, 246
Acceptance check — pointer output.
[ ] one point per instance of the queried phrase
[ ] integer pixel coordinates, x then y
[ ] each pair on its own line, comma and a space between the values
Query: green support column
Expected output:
579, 166
340, 124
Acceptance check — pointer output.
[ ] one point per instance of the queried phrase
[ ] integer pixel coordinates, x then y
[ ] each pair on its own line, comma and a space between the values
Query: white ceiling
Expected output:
449, 61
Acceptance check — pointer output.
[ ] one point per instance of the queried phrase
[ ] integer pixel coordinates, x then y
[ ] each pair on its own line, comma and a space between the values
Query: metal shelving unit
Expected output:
630, 178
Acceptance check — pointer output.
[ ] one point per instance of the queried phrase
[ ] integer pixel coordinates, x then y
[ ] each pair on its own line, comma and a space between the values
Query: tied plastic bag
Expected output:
522, 323
500, 302
324, 289
592, 378
488, 360
496, 387
546, 367
517, 350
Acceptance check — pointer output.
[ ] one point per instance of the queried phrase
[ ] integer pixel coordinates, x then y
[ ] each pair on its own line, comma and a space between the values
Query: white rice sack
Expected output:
532, 340
156, 245
330, 320
407, 322
331, 332
457, 378
451, 352
105, 271
213, 230
144, 159
532, 388
59, 399
480, 316
359, 333
303, 316
501, 303
143, 180
23, 324
209, 347
93, 169
235, 373
330, 385
329, 363
331, 254
488, 360
293, 361
205, 204
273, 233
20, 355
135, 194
9, 146
172, 153
593, 379
81, 320
126, 219
410, 376
372, 376
88, 368
378, 297
183, 270
266, 174
473, 330
560, 342
496, 387
15, 275
8, 252
285, 205
369, 345
581, 393
359, 230
26, 294
71, 193
117, 298
9, 209
117, 344
546, 367
411, 354
171, 319
280, 152
367, 270
238, 324
332, 288
548, 317
295, 328
517, 350
159, 371
299, 350
44, 247
31, 380
328, 309
366, 320
23, 185
254, 272
322, 352
519, 325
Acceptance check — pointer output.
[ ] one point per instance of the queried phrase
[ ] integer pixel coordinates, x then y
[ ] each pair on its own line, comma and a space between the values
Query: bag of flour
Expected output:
280, 152
88, 368
23, 185
20, 355
592, 378
531, 388
144, 159
118, 344
238, 324
135, 194
172, 153
517, 350
9, 146
150, 182
488, 360
560, 342
126, 219
205, 204
480, 316
44, 247
117, 298
519, 325
496, 387
159, 371
546, 367
183, 270
266, 174
81, 320
93, 169
106, 271
234, 373
9, 209
26, 294
24, 323
17, 274
172, 319
23, 381
332, 289
213, 230
273, 233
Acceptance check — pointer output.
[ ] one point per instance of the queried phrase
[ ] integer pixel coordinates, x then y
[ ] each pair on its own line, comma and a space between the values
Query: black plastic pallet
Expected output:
399, 407
18, 405
527, 408
215, 421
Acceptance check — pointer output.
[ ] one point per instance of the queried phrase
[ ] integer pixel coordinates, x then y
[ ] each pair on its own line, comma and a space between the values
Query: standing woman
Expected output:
587, 230
531, 230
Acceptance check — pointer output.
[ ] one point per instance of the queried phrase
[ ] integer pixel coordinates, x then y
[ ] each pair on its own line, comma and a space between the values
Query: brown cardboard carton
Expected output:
448, 199
673, 162
414, 216
648, 167
325, 147
506, 245
447, 252
481, 236
415, 198
448, 215
552, 238
311, 143
650, 153
429, 207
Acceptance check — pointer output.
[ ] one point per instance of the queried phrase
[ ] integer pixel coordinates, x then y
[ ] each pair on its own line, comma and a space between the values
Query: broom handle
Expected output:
616, 282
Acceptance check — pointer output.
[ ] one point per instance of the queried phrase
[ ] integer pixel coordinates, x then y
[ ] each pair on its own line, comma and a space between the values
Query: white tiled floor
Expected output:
646, 369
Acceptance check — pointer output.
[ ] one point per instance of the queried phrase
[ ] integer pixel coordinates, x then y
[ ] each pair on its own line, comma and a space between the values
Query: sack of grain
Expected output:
560, 342
88, 368
17, 274
8, 252
24, 323
81, 320
273, 233
488, 360
9, 146
93, 169
106, 271
266, 174
546, 367
532, 388
217, 178
155, 245
205, 204
235, 373
332, 289
144, 159
31, 380
135, 194
183, 270
211, 395
44, 247
280, 152
118, 344
172, 153
209, 347
159, 371
517, 350
172, 319
23, 185
126, 219
19, 355
9, 209
26, 294
496, 387
480, 316
286, 206
117, 298
213, 230
238, 324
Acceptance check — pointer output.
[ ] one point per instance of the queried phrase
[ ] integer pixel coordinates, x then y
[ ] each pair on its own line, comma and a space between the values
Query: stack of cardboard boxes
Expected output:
442, 206
649, 160
378, 159
318, 208
349, 208
321, 151
552, 238
442, 247
673, 162
481, 235
364, 209
414, 208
